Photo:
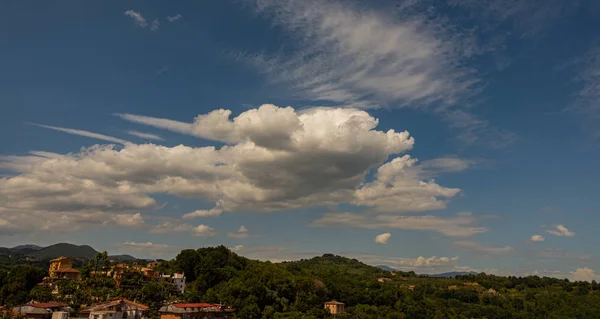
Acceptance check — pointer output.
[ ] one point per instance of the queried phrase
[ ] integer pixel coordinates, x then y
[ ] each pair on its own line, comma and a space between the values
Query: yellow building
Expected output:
62, 267
334, 307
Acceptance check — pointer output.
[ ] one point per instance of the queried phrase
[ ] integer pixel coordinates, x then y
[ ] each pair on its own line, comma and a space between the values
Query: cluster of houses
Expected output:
62, 268
121, 308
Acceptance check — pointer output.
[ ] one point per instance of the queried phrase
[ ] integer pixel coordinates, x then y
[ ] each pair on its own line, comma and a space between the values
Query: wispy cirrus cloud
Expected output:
174, 18
137, 17
460, 226
84, 133
146, 136
587, 98
482, 248
365, 57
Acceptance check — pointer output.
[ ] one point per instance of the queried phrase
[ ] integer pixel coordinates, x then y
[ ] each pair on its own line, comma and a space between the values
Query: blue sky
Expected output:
148, 127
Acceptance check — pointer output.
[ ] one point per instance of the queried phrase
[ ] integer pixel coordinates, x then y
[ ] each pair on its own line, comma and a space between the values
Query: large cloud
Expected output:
275, 158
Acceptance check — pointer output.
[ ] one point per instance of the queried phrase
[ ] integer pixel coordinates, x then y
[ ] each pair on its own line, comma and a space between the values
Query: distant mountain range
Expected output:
58, 250
442, 275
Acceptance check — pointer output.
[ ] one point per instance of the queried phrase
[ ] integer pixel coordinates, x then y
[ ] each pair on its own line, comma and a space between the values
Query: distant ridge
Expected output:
65, 249
58, 250
386, 268
453, 274
122, 257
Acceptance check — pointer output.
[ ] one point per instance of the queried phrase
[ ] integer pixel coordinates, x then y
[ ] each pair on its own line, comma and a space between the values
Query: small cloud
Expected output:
203, 231
174, 18
137, 17
383, 238
197, 231
147, 136
241, 233
560, 230
238, 247
537, 238
155, 25
584, 274
213, 212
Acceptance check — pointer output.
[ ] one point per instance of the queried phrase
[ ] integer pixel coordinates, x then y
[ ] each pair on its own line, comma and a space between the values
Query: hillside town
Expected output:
61, 269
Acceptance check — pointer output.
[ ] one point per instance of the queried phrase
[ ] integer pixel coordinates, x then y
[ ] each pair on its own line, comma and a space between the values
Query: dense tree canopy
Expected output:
298, 289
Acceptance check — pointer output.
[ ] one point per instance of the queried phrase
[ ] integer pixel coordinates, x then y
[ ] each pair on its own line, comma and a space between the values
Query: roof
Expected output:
194, 305
47, 305
39, 308
333, 302
115, 302
60, 259
67, 270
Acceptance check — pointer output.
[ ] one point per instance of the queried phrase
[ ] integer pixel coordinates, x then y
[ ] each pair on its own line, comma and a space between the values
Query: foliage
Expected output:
291, 290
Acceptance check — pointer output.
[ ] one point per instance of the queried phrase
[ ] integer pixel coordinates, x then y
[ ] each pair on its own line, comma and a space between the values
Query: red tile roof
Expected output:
60, 258
47, 305
194, 305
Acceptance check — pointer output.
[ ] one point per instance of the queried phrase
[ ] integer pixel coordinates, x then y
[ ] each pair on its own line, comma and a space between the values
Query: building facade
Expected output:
335, 307
62, 266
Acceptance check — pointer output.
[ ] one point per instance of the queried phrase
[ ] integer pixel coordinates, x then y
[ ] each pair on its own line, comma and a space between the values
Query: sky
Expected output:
425, 136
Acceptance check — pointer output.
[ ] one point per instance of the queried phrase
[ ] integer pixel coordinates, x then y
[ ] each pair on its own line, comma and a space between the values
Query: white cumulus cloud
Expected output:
584, 274
275, 158
241, 233
383, 238
537, 238
560, 230
213, 212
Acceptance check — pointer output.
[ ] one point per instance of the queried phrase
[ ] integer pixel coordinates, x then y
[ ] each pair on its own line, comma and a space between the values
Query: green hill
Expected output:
65, 249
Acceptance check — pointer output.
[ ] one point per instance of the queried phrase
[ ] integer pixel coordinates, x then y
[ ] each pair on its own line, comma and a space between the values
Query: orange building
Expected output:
334, 307
62, 268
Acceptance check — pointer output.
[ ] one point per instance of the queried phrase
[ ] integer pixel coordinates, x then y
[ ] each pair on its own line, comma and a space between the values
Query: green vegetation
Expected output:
298, 289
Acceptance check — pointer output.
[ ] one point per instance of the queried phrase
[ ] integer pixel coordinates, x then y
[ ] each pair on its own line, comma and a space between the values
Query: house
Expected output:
383, 279
119, 308
177, 279
195, 311
334, 307
48, 310
411, 287
62, 268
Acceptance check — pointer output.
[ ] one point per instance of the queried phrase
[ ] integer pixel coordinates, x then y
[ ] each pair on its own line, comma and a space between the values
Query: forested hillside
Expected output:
257, 289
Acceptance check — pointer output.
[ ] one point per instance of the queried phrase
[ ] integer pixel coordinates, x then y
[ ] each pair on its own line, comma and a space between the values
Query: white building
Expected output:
177, 279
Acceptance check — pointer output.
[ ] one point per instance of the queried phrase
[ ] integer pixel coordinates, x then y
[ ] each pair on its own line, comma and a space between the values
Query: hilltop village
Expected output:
215, 282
